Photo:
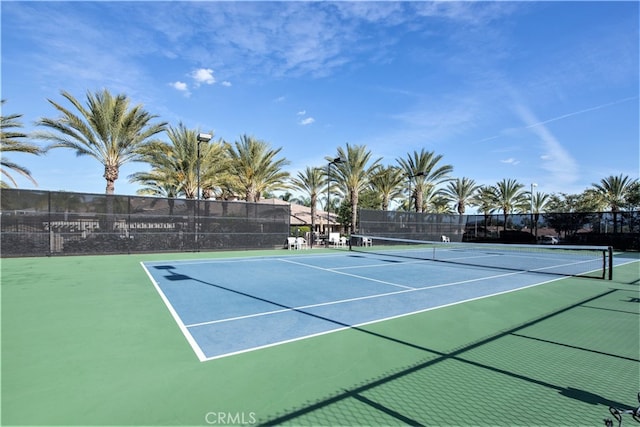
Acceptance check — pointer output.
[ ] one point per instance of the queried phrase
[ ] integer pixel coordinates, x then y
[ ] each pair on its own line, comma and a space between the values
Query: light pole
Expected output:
533, 185
332, 162
202, 137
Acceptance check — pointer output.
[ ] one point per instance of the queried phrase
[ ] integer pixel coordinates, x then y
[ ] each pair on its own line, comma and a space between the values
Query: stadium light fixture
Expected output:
202, 137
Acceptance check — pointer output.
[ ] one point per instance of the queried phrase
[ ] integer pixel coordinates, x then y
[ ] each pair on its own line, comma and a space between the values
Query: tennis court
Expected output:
273, 300
314, 337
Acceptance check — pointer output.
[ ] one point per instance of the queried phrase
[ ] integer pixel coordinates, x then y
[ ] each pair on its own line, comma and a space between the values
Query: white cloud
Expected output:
307, 121
181, 86
301, 113
510, 161
203, 75
226, 83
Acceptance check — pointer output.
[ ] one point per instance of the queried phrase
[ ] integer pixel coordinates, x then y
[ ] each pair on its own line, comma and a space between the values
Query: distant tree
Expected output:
13, 141
109, 130
370, 199
386, 183
302, 201
461, 192
510, 196
311, 182
632, 196
254, 165
424, 170
434, 200
614, 189
352, 175
158, 183
539, 202
486, 201
345, 214
565, 213
441, 204
176, 168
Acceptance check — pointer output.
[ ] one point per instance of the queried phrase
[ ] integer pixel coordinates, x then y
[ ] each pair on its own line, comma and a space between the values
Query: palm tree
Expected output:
157, 183
433, 199
12, 141
311, 181
214, 168
386, 183
440, 203
175, 165
486, 200
538, 203
510, 196
424, 168
109, 130
352, 175
253, 163
461, 192
632, 198
613, 190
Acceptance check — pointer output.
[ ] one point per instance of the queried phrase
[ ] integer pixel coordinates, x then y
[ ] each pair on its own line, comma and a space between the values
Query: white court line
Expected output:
383, 264
192, 342
303, 307
346, 274
336, 302
371, 322
242, 259
202, 357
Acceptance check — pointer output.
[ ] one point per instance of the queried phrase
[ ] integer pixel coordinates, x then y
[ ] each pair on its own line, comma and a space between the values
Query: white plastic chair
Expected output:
301, 243
334, 239
342, 242
445, 239
291, 243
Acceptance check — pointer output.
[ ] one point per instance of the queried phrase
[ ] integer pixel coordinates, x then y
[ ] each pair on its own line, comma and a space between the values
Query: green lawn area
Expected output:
88, 341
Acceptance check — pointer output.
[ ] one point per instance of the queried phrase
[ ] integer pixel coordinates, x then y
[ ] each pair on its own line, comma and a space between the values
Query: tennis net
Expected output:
563, 260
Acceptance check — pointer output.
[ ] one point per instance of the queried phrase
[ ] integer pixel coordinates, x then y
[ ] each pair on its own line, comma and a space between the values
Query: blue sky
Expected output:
543, 92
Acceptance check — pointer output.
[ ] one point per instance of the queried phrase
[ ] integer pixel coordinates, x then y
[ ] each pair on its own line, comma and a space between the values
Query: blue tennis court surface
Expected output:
229, 306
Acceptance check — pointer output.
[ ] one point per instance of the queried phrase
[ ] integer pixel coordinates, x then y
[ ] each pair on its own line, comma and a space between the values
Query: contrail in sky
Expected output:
575, 113
564, 116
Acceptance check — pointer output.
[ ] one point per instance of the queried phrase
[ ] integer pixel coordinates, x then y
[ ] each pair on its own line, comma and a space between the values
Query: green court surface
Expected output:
88, 341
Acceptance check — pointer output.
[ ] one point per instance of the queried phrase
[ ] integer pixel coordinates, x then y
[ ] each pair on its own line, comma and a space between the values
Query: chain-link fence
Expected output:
622, 230
38, 223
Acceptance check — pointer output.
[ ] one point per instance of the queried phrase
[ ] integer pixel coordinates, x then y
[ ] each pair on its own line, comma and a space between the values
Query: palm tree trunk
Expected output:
111, 175
313, 220
354, 211
461, 210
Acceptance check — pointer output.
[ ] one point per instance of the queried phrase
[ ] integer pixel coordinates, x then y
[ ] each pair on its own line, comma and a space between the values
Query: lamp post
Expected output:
533, 185
332, 162
202, 137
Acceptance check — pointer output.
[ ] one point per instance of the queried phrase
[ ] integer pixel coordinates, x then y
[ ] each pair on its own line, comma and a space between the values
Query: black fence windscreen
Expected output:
37, 223
621, 231
411, 225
